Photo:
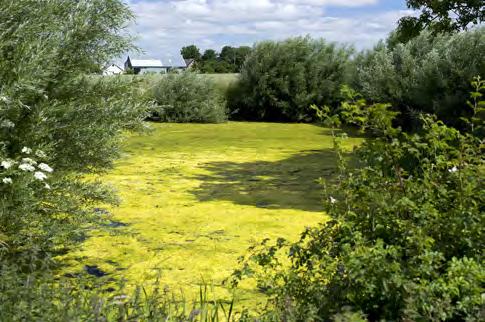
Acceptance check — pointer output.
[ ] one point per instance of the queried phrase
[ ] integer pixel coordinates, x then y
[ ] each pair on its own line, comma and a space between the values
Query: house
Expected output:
189, 63
143, 66
112, 70
175, 64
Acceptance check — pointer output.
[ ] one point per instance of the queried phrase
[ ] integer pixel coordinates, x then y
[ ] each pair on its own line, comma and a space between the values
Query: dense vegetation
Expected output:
280, 80
229, 60
428, 74
440, 16
57, 123
187, 98
406, 237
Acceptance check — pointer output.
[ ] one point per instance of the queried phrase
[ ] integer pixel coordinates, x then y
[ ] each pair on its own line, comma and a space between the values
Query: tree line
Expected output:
229, 60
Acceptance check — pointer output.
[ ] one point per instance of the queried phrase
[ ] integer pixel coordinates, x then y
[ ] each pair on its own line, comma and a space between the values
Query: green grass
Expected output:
195, 196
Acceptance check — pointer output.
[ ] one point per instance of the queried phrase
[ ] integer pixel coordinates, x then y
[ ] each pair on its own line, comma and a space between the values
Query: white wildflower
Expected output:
7, 124
4, 99
380, 159
26, 150
333, 200
44, 167
7, 180
29, 161
40, 154
26, 167
40, 175
453, 170
6, 164
47, 186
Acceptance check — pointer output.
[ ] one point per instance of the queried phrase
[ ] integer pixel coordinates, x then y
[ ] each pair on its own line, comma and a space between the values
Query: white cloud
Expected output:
163, 27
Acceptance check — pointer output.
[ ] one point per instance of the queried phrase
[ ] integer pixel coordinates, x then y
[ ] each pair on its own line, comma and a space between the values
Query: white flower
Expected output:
7, 180
6, 164
26, 150
333, 200
4, 99
29, 161
40, 175
40, 154
45, 167
47, 186
7, 124
26, 167
453, 170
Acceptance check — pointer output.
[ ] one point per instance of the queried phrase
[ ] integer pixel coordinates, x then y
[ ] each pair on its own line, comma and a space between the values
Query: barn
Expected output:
112, 70
143, 66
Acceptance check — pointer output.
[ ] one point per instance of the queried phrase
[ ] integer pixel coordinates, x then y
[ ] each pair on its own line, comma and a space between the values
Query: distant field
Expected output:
195, 196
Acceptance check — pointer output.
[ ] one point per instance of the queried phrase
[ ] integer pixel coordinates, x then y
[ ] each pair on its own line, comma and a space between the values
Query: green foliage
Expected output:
441, 16
40, 296
356, 112
280, 80
406, 237
188, 98
209, 54
56, 122
429, 74
477, 105
190, 52
230, 60
235, 57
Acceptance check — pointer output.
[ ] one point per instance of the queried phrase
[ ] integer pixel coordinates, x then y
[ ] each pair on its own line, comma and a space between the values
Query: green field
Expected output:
195, 196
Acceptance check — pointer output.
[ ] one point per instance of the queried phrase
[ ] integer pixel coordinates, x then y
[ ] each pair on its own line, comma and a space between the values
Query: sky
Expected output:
163, 27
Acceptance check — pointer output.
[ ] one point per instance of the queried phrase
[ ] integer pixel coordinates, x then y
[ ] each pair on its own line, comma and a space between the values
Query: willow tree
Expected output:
58, 121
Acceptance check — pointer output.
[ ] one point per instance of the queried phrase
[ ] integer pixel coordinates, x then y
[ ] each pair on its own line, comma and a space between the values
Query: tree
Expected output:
241, 54
441, 16
228, 54
190, 52
280, 80
235, 56
209, 55
58, 122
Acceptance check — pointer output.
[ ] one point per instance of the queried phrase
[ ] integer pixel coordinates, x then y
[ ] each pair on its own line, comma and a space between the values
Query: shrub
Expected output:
57, 123
280, 80
406, 236
428, 74
188, 98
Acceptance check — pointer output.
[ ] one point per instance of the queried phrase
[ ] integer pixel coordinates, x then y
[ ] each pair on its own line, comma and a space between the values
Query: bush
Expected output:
188, 98
57, 123
406, 236
280, 80
428, 74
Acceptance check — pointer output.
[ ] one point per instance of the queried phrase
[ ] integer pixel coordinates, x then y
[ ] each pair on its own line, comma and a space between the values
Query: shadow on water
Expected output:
291, 183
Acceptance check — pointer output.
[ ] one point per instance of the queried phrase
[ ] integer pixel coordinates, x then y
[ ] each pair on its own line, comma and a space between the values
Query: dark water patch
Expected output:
94, 271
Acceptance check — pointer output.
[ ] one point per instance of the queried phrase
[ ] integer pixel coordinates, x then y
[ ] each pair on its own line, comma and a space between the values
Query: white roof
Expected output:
112, 70
146, 63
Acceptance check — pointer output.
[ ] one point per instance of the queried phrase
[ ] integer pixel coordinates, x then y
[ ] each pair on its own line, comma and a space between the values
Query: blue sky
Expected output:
164, 26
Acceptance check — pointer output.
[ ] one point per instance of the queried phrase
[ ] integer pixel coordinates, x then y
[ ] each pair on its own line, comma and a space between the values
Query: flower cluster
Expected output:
26, 164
